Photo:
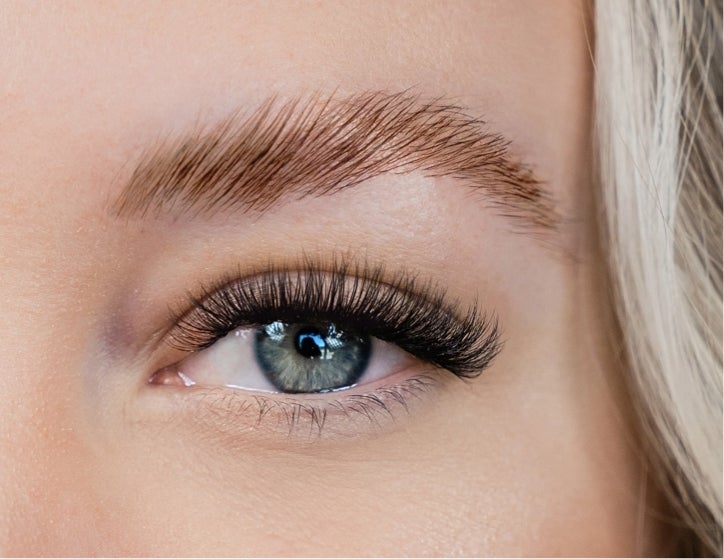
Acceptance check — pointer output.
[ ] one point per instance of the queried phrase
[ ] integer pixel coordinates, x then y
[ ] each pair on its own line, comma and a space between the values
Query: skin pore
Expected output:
536, 456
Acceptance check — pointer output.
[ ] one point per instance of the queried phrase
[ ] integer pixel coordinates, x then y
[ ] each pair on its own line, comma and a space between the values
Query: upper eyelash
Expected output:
414, 315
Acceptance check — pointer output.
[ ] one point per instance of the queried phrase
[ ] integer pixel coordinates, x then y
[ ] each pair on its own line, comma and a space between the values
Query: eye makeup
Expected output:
440, 336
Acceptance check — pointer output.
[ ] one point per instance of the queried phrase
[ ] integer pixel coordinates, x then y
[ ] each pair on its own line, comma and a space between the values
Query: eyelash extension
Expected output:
414, 315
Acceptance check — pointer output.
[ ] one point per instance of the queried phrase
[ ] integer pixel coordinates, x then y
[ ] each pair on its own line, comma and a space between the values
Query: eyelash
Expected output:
416, 316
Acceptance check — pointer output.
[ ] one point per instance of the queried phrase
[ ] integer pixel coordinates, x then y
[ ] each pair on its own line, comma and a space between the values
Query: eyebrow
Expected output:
320, 145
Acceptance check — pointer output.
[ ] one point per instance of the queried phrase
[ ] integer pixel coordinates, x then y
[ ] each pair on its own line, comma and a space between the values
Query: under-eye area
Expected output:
302, 343
242, 416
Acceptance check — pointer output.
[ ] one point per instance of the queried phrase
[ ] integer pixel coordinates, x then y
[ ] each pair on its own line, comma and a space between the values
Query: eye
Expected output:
285, 357
359, 338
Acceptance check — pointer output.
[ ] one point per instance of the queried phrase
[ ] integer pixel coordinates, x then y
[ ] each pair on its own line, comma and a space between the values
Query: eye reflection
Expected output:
310, 358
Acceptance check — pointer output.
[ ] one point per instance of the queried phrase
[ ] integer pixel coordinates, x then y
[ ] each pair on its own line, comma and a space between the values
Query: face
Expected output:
294, 278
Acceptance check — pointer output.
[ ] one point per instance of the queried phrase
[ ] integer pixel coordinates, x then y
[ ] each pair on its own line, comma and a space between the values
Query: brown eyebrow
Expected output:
320, 145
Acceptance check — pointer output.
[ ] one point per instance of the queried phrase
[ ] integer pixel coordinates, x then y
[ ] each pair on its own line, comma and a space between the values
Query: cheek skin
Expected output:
531, 457
519, 491
534, 458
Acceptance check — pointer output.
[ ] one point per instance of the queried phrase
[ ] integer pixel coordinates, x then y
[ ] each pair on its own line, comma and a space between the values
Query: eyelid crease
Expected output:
399, 308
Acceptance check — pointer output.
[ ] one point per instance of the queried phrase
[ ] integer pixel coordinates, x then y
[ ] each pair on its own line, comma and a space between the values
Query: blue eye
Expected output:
310, 358
311, 331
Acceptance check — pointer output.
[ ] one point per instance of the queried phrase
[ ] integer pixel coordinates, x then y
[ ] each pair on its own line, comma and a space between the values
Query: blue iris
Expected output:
310, 357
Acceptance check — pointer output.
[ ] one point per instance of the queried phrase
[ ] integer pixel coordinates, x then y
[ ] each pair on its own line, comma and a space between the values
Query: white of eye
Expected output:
232, 362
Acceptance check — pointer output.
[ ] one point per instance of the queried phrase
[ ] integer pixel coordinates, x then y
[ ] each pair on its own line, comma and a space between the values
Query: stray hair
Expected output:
659, 126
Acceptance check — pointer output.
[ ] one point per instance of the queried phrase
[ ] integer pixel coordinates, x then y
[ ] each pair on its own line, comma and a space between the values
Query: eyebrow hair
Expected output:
321, 145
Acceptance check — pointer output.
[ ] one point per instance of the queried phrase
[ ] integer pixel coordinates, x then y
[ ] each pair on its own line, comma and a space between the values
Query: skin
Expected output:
535, 457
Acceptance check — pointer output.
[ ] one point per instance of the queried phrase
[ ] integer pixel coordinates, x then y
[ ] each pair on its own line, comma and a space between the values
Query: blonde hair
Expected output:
659, 133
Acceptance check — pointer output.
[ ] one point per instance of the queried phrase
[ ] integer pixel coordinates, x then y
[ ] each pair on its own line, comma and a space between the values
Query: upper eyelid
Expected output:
477, 336
340, 267
183, 305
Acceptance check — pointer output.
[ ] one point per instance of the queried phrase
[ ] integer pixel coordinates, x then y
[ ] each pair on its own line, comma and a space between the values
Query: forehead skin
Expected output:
535, 458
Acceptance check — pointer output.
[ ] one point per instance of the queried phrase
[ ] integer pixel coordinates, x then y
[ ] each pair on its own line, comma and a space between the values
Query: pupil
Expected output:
310, 343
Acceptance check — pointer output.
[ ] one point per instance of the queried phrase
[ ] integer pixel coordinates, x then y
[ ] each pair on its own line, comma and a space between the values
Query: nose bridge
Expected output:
23, 464
47, 321
44, 455
45, 473
6, 469
25, 472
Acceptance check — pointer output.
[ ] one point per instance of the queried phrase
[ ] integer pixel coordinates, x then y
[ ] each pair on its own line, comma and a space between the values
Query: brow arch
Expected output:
318, 145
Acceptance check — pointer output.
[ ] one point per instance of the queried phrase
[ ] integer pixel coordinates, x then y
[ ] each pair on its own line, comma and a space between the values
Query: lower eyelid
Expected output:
244, 414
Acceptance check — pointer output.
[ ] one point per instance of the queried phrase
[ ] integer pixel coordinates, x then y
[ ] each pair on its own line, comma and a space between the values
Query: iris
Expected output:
310, 357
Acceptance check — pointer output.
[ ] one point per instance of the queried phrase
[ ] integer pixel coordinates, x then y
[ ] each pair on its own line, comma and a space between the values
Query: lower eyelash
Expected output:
307, 418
